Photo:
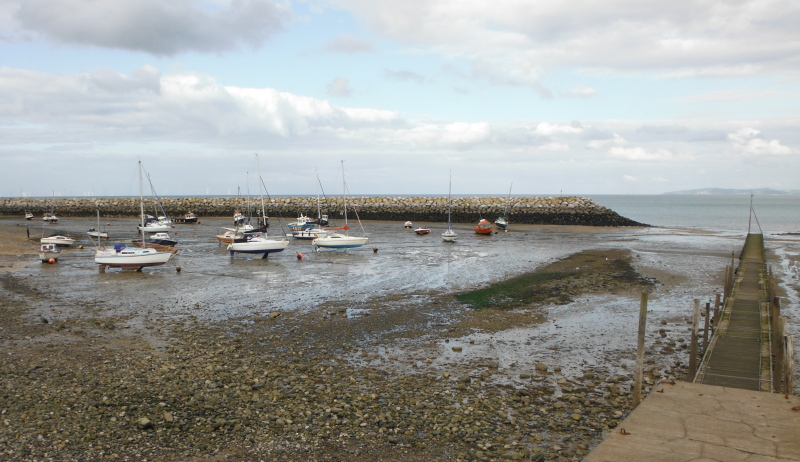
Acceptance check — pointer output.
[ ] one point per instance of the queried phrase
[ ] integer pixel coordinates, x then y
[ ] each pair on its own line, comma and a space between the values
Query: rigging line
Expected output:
355, 209
277, 212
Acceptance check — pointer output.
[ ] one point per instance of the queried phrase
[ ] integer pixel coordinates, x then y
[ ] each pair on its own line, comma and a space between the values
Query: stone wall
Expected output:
531, 210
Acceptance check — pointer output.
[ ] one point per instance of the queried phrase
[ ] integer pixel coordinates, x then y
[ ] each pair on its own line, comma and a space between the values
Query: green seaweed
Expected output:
517, 291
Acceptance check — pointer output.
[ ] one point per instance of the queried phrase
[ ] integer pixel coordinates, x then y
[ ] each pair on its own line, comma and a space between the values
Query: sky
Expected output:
576, 98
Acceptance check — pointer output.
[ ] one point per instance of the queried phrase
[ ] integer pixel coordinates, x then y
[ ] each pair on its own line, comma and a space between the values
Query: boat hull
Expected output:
339, 242
59, 241
155, 228
483, 227
130, 258
449, 236
258, 246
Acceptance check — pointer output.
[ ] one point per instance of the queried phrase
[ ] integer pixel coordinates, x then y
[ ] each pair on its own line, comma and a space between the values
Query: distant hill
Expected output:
723, 191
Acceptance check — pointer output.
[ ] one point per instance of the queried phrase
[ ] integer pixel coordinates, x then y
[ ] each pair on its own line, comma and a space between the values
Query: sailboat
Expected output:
51, 215
155, 225
340, 241
449, 235
97, 232
257, 243
502, 221
122, 256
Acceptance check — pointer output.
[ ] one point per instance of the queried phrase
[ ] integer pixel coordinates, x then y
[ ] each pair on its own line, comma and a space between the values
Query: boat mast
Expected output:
508, 201
319, 208
449, 190
260, 184
344, 194
141, 204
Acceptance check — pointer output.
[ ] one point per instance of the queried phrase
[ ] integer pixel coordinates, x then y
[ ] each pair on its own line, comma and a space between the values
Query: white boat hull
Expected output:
258, 246
60, 241
339, 241
449, 236
99, 234
130, 257
156, 228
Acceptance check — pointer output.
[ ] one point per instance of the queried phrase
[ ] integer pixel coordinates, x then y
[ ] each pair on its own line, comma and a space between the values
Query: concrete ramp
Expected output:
695, 422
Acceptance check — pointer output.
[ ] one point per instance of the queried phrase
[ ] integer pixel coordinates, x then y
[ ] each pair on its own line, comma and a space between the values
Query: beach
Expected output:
373, 363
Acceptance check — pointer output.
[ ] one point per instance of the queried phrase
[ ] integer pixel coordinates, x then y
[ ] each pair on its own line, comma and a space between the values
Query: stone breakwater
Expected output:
528, 210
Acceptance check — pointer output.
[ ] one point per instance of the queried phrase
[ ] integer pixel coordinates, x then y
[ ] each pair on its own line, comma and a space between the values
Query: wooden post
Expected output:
778, 337
705, 329
716, 311
637, 388
788, 369
693, 346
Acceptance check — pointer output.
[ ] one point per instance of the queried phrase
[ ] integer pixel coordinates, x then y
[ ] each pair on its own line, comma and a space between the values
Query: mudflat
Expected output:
83, 382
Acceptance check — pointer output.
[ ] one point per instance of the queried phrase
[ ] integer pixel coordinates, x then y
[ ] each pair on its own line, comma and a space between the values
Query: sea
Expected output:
772, 214
689, 243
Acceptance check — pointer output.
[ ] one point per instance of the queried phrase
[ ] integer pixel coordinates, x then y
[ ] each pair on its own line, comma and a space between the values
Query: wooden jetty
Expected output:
728, 412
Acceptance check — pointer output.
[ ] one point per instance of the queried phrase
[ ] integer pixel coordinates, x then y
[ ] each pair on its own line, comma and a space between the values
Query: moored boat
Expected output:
308, 234
93, 232
259, 242
408, 225
28, 215
341, 241
49, 253
502, 221
124, 256
422, 231
449, 235
51, 217
483, 227
302, 222
158, 241
58, 239
187, 219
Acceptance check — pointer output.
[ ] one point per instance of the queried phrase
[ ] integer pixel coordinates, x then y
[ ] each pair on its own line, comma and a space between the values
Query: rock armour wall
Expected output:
529, 210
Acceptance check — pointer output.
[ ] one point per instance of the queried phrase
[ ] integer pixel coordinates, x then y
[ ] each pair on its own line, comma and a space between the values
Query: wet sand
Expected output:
382, 375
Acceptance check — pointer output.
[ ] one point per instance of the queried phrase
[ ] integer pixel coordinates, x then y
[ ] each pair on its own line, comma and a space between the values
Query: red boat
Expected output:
483, 227
422, 231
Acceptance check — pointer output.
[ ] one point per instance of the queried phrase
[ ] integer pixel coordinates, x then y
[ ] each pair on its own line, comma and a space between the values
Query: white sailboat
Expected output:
449, 235
122, 256
97, 232
340, 241
155, 225
258, 243
502, 221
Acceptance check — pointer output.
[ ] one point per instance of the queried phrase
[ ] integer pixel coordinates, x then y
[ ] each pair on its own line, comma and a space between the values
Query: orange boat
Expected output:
483, 227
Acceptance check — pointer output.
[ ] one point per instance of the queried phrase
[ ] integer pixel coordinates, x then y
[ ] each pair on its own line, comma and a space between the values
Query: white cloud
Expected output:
605, 143
684, 38
547, 129
749, 142
630, 178
152, 26
638, 153
340, 86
